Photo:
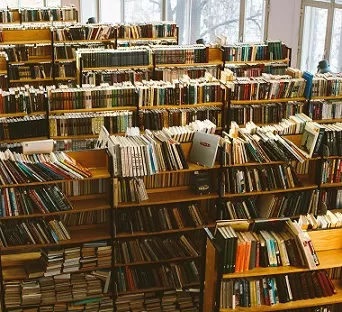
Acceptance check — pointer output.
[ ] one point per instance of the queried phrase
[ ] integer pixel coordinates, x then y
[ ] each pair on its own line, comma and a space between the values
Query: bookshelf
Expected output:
85, 196
329, 256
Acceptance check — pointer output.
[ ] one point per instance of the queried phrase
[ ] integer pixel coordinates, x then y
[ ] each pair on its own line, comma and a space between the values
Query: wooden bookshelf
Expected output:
86, 110
286, 61
266, 101
326, 97
218, 104
322, 121
216, 63
118, 68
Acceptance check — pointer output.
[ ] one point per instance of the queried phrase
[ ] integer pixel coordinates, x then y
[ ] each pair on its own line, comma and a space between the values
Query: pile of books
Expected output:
173, 275
321, 110
86, 218
145, 154
179, 92
27, 201
31, 71
155, 249
129, 190
331, 171
84, 32
90, 123
332, 219
84, 187
327, 84
147, 30
157, 219
13, 233
329, 140
68, 260
256, 292
8, 15
332, 197
20, 168
64, 13
283, 245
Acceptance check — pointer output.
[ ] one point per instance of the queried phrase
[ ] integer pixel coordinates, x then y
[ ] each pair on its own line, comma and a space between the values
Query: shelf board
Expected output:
152, 289
78, 236
23, 140
98, 109
22, 114
3, 72
77, 206
25, 42
169, 197
320, 121
266, 101
31, 80
65, 78
331, 157
65, 60
293, 189
84, 40
328, 185
168, 232
326, 97
155, 262
337, 298
34, 61
257, 62
97, 173
118, 67
190, 65
251, 164
192, 167
328, 259
75, 137
182, 106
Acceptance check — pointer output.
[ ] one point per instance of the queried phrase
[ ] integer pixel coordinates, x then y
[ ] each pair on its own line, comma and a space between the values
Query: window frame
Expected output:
330, 6
188, 21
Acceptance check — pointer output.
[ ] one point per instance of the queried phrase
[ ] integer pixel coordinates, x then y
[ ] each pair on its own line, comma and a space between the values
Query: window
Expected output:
238, 20
321, 37
9, 3
53, 2
31, 3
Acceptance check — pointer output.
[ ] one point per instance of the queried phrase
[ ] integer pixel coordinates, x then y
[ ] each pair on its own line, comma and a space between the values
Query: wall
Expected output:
284, 21
76, 3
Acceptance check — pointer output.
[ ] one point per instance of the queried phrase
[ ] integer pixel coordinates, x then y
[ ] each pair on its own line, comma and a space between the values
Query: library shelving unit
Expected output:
329, 256
35, 69
246, 59
3, 71
88, 198
162, 198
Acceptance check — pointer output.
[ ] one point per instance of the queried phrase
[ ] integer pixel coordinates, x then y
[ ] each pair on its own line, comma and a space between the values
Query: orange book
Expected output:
247, 252
242, 253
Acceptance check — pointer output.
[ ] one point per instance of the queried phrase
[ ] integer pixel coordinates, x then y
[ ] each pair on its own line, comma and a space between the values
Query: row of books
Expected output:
24, 99
23, 127
329, 142
117, 95
31, 71
129, 190
63, 13
331, 171
196, 91
266, 87
256, 70
320, 109
84, 32
272, 290
158, 219
86, 218
22, 169
3, 81
157, 119
73, 144
65, 70
147, 30
332, 219
267, 178
167, 179
326, 85
125, 42
26, 201
84, 187
32, 232
261, 147
270, 50
145, 154
90, 123
273, 206
284, 245
67, 50
265, 113
88, 256
171, 300
23, 52
154, 249
332, 198
173, 275
182, 54
8, 16
52, 290
194, 72
98, 77
133, 56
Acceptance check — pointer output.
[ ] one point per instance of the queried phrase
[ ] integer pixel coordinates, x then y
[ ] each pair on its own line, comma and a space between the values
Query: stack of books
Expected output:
147, 30
321, 109
84, 32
